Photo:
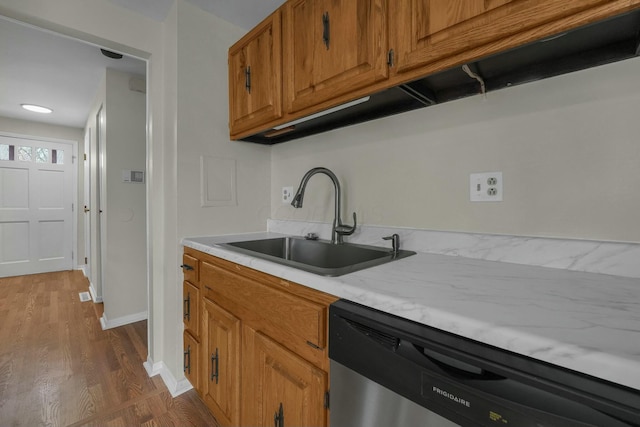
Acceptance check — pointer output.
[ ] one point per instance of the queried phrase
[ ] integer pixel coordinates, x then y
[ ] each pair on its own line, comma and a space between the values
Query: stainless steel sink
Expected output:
318, 256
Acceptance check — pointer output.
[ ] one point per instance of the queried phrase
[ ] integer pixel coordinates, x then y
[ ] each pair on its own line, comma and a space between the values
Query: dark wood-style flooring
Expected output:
59, 368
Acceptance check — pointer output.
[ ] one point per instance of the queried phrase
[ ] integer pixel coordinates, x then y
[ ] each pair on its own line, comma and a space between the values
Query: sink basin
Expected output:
317, 256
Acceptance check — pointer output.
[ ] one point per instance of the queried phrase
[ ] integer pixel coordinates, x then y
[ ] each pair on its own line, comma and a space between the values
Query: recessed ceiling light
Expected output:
37, 108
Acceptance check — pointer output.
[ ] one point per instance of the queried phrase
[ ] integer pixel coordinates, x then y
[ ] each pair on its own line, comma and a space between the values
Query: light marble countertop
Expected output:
586, 322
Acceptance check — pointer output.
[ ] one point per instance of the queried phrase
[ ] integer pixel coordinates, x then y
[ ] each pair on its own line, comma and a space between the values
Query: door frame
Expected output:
76, 163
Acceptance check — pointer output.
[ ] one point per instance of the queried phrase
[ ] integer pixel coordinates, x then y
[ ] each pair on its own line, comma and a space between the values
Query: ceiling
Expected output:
45, 68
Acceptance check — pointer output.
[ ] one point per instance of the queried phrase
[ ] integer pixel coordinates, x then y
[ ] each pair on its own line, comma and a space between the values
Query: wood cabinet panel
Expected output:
191, 308
221, 379
423, 31
282, 309
255, 351
255, 76
192, 360
332, 47
284, 385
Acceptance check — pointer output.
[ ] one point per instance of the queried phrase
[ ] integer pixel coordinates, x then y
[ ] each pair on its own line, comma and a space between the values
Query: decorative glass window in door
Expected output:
24, 154
42, 155
6, 152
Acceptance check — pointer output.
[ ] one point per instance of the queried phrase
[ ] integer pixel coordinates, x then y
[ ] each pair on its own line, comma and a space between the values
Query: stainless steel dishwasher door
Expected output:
356, 401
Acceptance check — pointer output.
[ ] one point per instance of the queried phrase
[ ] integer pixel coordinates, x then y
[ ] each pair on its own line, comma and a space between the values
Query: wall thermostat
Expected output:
133, 176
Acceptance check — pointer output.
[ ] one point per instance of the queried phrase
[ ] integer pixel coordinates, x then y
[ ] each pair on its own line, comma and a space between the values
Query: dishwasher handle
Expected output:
436, 361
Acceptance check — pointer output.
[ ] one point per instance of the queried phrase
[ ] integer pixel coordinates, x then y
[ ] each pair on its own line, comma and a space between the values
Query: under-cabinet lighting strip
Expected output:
323, 113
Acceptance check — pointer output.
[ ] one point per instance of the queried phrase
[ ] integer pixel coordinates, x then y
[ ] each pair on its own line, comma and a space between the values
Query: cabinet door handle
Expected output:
326, 29
187, 307
247, 79
187, 360
187, 267
278, 417
390, 58
214, 366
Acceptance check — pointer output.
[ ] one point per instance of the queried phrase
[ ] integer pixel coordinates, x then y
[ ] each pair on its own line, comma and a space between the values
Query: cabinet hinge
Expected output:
326, 399
390, 58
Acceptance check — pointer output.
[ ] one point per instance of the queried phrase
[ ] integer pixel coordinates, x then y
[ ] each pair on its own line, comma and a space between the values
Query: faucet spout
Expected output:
339, 229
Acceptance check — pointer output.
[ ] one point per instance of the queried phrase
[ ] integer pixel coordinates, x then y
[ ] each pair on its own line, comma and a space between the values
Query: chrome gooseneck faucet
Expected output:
339, 229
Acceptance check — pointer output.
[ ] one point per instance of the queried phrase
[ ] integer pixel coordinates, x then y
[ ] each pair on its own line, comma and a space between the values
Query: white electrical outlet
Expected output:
287, 195
485, 187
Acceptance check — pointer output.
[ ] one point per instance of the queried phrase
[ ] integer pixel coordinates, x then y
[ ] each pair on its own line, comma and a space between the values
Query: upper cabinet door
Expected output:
422, 31
332, 47
255, 76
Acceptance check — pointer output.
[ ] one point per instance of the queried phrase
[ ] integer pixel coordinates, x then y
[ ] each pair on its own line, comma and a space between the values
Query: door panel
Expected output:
332, 47
423, 31
221, 381
255, 82
36, 213
289, 381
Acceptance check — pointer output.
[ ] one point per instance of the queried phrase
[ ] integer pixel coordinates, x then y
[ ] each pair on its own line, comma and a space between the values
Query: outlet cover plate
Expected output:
485, 187
287, 195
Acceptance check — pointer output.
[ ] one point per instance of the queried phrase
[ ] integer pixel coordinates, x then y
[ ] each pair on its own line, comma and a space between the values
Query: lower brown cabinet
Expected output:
287, 390
221, 382
263, 347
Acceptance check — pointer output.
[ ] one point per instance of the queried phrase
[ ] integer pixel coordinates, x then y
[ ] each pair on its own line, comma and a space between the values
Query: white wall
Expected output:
43, 130
567, 146
202, 130
125, 287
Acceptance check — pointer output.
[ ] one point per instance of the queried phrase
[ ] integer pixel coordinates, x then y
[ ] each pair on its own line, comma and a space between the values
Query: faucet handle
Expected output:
347, 230
395, 242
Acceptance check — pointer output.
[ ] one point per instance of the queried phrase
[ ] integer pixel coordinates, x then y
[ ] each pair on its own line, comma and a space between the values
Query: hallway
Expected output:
59, 368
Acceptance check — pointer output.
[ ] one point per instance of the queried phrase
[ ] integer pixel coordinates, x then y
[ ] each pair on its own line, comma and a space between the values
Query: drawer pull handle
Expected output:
187, 360
214, 366
187, 267
187, 308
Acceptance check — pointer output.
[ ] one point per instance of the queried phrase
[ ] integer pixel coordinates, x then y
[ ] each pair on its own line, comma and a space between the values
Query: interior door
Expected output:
36, 206
87, 203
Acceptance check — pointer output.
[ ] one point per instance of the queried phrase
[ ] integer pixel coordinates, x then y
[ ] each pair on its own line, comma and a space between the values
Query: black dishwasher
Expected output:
389, 371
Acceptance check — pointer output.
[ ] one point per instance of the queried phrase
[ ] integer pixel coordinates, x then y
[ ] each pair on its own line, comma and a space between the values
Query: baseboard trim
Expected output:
121, 321
176, 388
94, 293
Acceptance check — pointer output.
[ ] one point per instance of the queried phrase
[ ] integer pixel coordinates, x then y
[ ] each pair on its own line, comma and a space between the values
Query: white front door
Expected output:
36, 206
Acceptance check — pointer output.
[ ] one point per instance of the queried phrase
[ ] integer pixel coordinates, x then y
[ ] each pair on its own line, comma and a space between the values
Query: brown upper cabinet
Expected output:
332, 47
255, 76
424, 31
312, 55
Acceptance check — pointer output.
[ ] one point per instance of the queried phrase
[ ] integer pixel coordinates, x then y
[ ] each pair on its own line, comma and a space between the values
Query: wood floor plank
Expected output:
59, 368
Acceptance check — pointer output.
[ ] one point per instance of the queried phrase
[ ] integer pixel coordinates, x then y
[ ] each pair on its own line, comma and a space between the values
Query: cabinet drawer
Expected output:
191, 360
191, 308
290, 313
190, 269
